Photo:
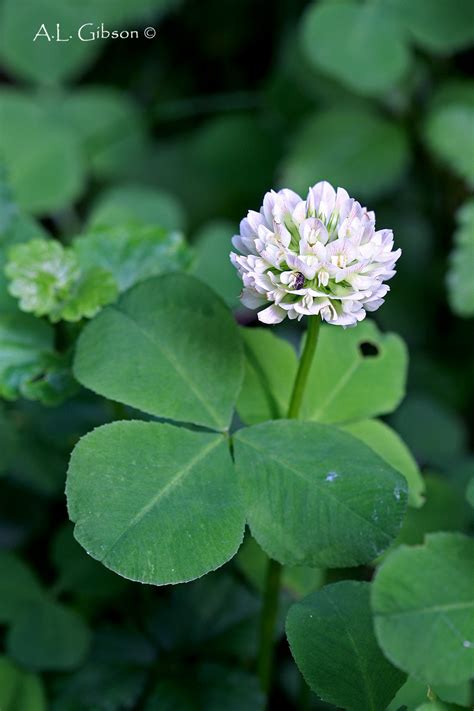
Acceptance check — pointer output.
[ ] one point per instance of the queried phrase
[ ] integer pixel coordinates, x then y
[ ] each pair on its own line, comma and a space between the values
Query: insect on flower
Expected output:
321, 255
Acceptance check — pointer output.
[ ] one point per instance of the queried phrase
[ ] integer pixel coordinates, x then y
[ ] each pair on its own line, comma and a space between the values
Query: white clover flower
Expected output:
321, 255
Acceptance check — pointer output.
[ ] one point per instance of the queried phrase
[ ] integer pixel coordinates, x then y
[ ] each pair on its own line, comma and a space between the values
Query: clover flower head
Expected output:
319, 256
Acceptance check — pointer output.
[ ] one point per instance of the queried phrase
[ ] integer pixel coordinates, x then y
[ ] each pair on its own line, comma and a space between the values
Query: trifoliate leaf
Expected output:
423, 601
48, 281
460, 281
132, 253
362, 45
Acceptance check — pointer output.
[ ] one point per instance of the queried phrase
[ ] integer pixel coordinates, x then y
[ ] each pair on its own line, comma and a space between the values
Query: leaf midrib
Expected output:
343, 380
434, 609
363, 670
175, 364
172, 483
320, 486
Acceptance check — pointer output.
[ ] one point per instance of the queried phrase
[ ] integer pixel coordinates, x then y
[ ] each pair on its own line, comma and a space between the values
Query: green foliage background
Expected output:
122, 160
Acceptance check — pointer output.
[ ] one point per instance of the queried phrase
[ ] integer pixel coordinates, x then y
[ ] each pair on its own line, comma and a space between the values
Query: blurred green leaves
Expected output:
354, 147
210, 687
48, 636
435, 433
50, 141
212, 263
20, 689
43, 634
19, 587
43, 159
450, 134
360, 44
52, 62
48, 279
136, 205
439, 25
220, 168
367, 45
107, 125
29, 366
460, 281
71, 283
129, 254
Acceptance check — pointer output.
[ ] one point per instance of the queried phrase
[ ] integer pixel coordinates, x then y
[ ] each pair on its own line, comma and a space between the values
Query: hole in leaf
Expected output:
368, 350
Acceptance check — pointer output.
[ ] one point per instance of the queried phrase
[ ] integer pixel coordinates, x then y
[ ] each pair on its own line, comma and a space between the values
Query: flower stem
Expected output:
314, 323
274, 569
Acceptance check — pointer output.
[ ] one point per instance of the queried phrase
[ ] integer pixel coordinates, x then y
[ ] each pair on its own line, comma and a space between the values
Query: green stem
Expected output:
306, 359
273, 573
